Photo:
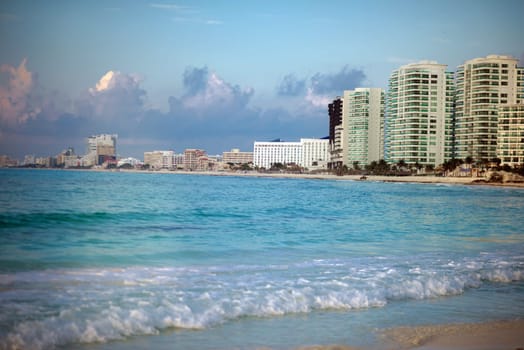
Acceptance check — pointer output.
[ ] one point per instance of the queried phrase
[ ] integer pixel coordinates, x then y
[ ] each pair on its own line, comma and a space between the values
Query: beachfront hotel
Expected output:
483, 85
419, 114
100, 149
362, 126
160, 160
235, 156
510, 134
308, 153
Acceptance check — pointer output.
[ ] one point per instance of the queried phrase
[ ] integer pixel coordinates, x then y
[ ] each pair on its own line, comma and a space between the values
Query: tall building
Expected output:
419, 114
510, 136
335, 133
363, 126
483, 84
101, 148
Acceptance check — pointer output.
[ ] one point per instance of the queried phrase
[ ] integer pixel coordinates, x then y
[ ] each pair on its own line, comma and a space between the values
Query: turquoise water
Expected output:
109, 260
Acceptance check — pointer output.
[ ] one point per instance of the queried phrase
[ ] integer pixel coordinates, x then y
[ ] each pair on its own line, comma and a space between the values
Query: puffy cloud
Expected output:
16, 103
205, 90
116, 95
345, 79
291, 86
319, 89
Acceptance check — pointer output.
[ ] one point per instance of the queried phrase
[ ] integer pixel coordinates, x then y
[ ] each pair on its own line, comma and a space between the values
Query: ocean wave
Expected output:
50, 308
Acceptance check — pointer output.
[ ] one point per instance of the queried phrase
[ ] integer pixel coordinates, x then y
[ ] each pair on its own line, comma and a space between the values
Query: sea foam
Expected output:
98, 305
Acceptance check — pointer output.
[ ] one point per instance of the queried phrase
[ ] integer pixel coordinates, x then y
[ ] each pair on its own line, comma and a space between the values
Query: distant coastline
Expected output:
420, 179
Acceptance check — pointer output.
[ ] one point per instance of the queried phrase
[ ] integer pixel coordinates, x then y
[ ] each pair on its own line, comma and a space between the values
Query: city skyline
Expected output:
217, 75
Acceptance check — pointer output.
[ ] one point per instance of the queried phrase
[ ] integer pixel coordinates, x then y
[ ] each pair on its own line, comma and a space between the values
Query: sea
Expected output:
119, 260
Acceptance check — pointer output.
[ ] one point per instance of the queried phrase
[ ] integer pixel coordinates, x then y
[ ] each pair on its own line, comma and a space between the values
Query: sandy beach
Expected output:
430, 179
497, 335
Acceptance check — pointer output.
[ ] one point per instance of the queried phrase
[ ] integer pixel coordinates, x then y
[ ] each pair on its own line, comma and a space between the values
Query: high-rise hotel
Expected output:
483, 85
363, 125
356, 128
419, 114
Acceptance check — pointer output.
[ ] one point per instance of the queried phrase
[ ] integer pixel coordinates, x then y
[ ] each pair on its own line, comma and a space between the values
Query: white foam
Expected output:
58, 307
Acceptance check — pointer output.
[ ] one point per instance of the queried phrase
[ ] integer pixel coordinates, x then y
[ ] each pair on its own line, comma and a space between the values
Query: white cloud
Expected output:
115, 95
317, 100
209, 90
115, 79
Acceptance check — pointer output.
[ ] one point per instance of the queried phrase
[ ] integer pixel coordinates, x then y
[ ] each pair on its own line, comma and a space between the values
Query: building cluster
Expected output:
101, 152
430, 115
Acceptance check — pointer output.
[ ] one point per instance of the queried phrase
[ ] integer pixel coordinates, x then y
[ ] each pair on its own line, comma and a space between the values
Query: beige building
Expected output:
362, 126
419, 114
100, 149
510, 135
483, 84
237, 157
191, 158
160, 160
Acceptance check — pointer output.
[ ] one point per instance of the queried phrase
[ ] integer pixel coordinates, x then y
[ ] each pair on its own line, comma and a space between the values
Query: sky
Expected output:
216, 75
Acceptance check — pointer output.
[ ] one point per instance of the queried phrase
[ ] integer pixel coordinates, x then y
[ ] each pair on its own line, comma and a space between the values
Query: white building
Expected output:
419, 114
315, 153
362, 126
266, 154
483, 84
129, 161
308, 153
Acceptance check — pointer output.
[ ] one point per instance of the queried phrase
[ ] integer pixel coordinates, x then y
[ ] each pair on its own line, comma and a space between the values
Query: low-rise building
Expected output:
160, 160
237, 157
191, 158
308, 153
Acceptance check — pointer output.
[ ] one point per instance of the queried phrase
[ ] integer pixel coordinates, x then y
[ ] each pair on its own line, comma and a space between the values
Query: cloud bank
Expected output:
209, 112
319, 89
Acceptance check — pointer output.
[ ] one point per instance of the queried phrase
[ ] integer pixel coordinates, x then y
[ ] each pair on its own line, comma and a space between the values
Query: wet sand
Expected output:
498, 335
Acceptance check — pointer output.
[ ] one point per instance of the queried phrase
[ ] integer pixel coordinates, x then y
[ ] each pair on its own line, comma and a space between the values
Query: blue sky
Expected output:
217, 74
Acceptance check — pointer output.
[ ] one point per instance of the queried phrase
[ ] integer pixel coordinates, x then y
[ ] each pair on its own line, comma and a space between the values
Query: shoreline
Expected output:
430, 179
418, 179
490, 335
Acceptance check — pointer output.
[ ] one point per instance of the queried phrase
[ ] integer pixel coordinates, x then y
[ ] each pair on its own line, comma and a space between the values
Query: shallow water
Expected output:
113, 260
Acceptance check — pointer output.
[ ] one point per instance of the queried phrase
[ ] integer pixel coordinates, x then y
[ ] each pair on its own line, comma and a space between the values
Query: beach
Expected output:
427, 179
497, 335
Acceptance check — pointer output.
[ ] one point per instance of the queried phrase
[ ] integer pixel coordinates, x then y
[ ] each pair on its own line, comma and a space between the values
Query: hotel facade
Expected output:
362, 126
419, 114
510, 134
308, 153
483, 85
